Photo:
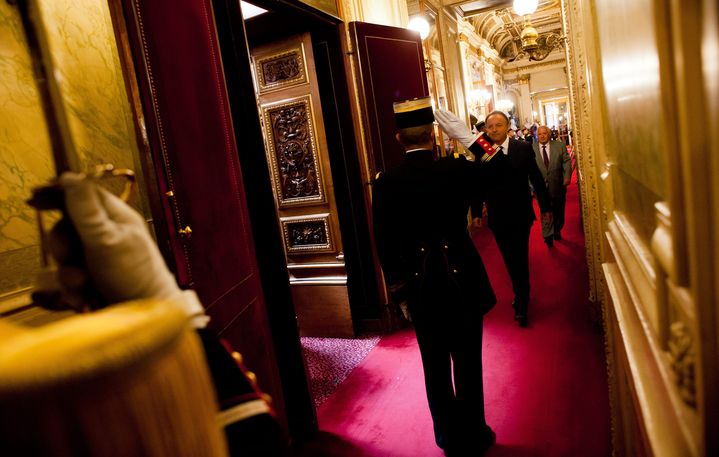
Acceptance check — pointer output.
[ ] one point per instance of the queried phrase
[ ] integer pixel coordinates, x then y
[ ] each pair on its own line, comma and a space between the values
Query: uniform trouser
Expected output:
457, 413
513, 243
558, 203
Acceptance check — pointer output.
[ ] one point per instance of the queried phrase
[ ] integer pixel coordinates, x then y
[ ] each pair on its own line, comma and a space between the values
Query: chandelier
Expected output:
531, 44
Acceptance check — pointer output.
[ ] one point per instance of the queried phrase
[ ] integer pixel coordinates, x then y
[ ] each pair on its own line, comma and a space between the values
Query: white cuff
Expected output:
188, 301
470, 140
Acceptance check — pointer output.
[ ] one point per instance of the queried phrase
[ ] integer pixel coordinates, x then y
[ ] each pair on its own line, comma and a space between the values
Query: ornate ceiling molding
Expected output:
496, 22
525, 68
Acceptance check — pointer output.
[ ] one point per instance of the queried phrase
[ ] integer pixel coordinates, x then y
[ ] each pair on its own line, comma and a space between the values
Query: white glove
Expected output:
122, 258
455, 127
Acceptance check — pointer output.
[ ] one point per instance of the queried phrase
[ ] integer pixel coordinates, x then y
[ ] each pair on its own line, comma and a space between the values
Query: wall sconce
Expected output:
419, 24
504, 104
480, 96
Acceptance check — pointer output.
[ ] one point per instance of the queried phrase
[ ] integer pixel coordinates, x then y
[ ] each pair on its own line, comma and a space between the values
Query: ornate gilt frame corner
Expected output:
301, 77
311, 222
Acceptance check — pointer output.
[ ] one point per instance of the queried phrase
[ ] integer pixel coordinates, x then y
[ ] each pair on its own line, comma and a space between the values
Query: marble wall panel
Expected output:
84, 55
85, 62
25, 156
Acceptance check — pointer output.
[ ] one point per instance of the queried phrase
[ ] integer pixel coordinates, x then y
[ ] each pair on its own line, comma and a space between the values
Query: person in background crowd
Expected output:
527, 135
556, 166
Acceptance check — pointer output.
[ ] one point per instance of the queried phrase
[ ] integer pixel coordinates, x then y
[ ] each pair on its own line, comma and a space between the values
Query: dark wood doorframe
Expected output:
301, 417
345, 164
349, 193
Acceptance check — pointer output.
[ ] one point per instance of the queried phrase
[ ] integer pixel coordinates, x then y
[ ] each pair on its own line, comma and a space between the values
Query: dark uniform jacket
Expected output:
420, 224
506, 180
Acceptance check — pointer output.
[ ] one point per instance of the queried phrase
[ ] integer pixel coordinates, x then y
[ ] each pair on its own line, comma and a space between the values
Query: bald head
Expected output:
543, 134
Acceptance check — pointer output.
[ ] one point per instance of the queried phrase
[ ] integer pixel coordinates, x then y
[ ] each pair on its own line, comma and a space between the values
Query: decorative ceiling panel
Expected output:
496, 22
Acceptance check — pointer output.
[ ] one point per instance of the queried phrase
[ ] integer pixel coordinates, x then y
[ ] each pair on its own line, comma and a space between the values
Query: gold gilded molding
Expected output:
662, 244
292, 152
523, 78
581, 109
463, 38
548, 63
683, 362
307, 234
649, 401
281, 70
327, 6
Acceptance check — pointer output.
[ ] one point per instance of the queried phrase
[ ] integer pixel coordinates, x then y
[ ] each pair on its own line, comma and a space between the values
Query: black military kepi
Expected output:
413, 113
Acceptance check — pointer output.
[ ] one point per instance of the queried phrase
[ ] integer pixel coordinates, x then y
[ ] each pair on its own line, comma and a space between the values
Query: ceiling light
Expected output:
525, 7
419, 24
249, 10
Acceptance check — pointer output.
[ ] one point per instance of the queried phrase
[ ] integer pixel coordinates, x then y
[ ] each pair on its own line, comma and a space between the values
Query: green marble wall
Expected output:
25, 156
84, 55
85, 60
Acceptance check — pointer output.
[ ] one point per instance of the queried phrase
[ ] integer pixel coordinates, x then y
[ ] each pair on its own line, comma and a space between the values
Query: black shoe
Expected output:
549, 241
557, 236
479, 447
521, 319
488, 439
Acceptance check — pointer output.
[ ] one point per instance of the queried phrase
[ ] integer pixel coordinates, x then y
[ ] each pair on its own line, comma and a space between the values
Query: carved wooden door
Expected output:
296, 147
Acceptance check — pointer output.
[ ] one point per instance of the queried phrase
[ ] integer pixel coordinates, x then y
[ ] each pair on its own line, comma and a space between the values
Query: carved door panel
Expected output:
296, 147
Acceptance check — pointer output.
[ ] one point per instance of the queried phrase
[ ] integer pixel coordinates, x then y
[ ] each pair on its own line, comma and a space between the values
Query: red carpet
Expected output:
545, 386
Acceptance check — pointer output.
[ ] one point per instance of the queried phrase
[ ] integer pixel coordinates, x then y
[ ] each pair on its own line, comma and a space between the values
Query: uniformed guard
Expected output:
420, 222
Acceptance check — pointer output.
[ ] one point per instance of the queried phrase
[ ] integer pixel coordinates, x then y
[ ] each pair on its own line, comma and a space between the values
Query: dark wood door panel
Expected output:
391, 64
190, 127
201, 157
256, 348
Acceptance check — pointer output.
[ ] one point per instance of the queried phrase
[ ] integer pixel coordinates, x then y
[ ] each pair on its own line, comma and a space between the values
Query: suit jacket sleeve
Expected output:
537, 181
477, 150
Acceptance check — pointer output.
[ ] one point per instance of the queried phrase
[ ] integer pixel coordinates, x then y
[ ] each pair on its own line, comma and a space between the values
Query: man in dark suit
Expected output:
556, 166
428, 258
506, 168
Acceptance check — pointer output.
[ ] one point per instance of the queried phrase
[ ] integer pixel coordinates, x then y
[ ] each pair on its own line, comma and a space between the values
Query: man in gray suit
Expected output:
556, 166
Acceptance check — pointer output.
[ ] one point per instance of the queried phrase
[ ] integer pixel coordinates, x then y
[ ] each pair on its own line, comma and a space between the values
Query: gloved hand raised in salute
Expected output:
455, 127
